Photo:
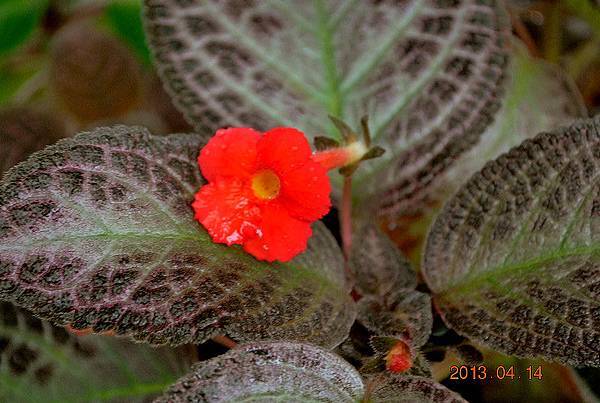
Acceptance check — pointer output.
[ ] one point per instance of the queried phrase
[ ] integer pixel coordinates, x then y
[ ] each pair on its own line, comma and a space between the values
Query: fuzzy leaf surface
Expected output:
378, 265
539, 97
97, 232
388, 388
513, 258
427, 72
270, 372
45, 363
405, 314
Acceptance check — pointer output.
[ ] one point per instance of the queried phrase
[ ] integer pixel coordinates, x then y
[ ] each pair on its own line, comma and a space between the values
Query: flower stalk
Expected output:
347, 157
346, 218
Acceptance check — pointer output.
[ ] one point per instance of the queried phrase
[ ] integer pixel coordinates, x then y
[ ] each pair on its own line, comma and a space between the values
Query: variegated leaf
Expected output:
539, 97
293, 372
404, 314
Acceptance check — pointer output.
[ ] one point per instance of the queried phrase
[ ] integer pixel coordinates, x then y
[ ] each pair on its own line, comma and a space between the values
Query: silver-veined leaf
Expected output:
513, 258
539, 97
404, 314
97, 232
427, 72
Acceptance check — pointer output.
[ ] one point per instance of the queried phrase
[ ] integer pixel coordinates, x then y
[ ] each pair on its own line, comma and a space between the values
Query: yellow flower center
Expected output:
265, 184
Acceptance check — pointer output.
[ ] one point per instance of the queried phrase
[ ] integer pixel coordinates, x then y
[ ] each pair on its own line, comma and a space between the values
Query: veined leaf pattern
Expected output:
388, 388
512, 259
427, 72
378, 266
294, 372
266, 372
97, 232
539, 97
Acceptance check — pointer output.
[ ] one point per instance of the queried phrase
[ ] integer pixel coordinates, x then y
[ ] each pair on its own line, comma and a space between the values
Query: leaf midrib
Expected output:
473, 282
325, 35
285, 71
529, 217
361, 71
107, 235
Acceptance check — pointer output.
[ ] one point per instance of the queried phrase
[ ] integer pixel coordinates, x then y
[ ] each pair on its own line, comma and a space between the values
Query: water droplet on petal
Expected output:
235, 237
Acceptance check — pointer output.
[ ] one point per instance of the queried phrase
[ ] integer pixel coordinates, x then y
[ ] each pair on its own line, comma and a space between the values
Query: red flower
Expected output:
263, 191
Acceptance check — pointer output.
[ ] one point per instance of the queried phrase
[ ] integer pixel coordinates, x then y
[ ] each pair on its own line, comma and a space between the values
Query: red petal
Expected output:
281, 237
230, 152
226, 209
305, 192
283, 149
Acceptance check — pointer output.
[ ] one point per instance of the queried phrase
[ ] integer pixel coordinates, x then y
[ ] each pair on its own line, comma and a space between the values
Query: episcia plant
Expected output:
176, 240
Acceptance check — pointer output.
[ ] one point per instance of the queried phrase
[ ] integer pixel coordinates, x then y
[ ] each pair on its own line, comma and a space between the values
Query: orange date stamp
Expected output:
501, 372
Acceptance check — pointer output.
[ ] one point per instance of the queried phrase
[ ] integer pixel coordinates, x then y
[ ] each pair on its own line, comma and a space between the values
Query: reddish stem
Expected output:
224, 341
346, 217
346, 229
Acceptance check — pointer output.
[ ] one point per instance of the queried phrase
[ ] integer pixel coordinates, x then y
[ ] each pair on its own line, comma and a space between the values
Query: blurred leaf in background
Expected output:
45, 363
124, 17
12, 78
94, 75
18, 20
